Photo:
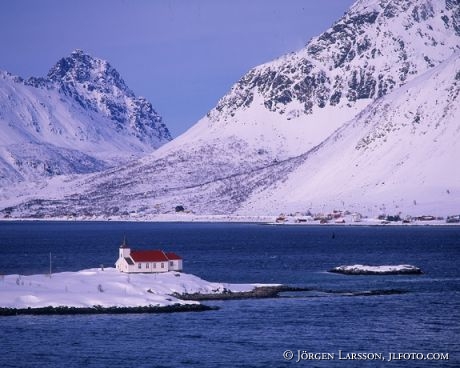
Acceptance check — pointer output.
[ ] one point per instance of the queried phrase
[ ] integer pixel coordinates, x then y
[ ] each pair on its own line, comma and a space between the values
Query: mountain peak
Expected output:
81, 118
82, 68
97, 86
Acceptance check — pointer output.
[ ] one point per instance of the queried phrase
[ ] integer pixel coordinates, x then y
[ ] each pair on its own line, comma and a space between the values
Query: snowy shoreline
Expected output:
263, 220
109, 291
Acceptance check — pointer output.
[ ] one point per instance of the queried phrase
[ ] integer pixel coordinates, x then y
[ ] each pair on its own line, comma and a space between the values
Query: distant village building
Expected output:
453, 219
146, 261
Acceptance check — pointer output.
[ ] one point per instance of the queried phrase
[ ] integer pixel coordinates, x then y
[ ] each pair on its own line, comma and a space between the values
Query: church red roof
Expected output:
153, 256
148, 256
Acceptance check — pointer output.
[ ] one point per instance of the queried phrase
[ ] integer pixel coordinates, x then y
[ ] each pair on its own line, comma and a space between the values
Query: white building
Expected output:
146, 261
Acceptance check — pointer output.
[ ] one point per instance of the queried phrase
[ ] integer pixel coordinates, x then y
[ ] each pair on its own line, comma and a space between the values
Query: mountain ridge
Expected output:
258, 154
81, 118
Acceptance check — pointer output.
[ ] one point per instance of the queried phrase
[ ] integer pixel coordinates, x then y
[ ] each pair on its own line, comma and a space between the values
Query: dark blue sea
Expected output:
421, 326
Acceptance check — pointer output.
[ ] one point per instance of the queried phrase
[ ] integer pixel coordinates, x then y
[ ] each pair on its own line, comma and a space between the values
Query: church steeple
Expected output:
124, 249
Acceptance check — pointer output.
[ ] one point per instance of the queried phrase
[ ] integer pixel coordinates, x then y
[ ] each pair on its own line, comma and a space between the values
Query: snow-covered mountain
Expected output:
364, 117
298, 100
398, 155
81, 118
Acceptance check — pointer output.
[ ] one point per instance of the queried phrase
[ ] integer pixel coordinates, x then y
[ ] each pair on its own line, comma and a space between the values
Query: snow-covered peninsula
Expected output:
107, 288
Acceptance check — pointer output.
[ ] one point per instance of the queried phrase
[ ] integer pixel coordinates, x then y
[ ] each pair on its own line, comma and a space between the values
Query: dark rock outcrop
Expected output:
105, 310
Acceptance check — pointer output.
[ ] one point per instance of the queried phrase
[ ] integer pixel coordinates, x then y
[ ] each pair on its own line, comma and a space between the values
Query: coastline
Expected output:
107, 290
259, 292
65, 310
223, 219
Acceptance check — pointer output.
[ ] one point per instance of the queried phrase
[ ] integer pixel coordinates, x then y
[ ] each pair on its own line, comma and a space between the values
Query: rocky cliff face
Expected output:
374, 48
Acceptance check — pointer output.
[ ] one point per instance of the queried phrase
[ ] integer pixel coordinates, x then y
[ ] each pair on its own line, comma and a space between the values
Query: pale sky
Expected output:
182, 55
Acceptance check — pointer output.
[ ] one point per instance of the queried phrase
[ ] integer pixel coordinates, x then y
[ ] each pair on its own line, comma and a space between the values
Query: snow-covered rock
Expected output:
105, 288
359, 269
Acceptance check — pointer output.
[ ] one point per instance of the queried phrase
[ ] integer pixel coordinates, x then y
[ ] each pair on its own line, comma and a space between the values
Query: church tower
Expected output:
124, 249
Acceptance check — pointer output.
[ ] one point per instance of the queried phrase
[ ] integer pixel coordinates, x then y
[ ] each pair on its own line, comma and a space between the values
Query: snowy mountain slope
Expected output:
399, 154
258, 152
299, 99
205, 179
81, 118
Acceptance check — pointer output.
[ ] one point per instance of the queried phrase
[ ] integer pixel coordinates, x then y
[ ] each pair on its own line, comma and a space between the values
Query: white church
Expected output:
146, 261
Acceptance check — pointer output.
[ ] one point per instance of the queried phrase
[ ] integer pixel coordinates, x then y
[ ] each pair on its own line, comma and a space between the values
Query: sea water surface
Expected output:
319, 327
